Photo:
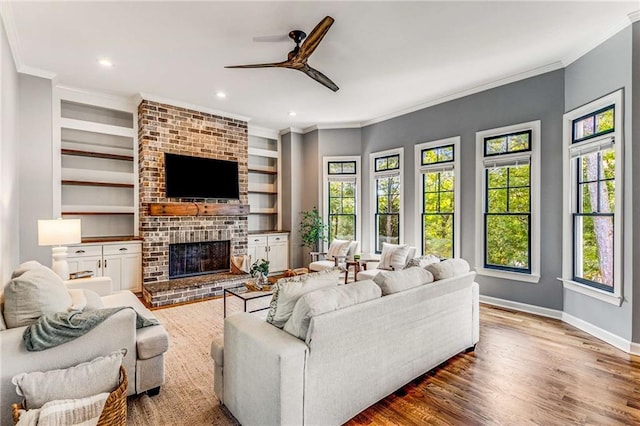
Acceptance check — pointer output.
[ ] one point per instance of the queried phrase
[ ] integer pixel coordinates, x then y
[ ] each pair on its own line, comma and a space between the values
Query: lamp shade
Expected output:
57, 232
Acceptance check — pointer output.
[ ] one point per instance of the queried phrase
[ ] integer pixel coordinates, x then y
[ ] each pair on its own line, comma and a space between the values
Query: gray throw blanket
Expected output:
55, 329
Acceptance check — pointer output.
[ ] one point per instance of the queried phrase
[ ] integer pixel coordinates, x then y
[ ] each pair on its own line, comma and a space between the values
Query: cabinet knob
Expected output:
123, 249
256, 240
278, 239
80, 251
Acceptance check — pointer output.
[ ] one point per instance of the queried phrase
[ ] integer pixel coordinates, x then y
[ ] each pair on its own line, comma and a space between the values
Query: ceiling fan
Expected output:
297, 58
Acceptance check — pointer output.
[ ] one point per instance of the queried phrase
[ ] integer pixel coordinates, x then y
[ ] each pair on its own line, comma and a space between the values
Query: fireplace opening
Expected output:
207, 257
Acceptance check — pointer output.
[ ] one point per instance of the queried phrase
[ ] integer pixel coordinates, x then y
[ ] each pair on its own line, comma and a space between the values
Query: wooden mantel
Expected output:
198, 209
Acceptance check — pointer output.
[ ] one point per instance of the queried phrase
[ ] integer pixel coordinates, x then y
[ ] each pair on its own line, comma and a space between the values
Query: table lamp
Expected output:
58, 232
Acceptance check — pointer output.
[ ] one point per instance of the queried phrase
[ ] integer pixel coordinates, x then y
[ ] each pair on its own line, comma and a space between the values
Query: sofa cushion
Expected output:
448, 268
393, 256
287, 291
394, 281
321, 265
327, 300
88, 378
422, 261
367, 274
33, 293
338, 248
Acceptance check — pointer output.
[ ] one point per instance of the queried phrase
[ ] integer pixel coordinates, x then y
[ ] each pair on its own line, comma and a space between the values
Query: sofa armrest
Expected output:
116, 332
101, 285
264, 369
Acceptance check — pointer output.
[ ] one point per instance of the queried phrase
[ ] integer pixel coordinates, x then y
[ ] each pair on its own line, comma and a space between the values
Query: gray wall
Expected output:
35, 172
635, 155
9, 223
605, 69
536, 98
292, 189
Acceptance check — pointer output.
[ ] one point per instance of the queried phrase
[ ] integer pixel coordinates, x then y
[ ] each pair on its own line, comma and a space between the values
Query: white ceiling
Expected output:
386, 57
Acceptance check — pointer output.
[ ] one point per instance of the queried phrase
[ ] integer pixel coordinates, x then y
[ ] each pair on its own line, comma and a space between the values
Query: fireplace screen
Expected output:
188, 259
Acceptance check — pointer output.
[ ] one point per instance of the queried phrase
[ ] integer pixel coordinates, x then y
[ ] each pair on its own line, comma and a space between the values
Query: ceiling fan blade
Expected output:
319, 77
285, 64
314, 39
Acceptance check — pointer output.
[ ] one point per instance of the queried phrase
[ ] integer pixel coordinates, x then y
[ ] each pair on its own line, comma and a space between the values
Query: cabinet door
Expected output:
131, 277
87, 263
278, 253
112, 268
257, 248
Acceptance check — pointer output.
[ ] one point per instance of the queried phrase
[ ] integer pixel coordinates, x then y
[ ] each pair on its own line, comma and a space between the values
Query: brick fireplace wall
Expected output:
166, 128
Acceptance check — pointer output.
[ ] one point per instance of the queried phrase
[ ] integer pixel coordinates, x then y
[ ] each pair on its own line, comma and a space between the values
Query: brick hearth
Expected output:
192, 288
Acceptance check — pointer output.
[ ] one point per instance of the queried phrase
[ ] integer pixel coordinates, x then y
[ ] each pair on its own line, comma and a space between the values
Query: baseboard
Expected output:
522, 307
604, 335
597, 332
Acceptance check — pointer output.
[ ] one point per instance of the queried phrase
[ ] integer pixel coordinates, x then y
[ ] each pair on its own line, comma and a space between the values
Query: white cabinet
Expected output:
122, 262
272, 247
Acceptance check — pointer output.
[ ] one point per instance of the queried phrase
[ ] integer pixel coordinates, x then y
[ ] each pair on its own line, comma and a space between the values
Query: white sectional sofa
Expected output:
351, 358
145, 347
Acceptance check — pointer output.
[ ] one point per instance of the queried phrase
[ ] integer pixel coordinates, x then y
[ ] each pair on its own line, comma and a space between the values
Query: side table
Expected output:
246, 297
358, 265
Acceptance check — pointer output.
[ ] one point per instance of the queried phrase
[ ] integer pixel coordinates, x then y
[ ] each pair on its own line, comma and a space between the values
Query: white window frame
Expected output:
325, 191
615, 99
420, 170
373, 198
534, 161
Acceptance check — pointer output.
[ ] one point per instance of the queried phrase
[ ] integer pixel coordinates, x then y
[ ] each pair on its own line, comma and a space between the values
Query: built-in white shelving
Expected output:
264, 181
98, 164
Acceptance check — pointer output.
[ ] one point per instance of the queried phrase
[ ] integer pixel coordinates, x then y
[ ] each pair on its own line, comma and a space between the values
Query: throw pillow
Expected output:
26, 266
328, 300
94, 301
32, 294
338, 248
393, 256
394, 281
287, 291
422, 261
448, 268
89, 378
79, 412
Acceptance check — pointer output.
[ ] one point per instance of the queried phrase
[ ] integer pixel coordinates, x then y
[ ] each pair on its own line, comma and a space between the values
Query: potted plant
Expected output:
312, 229
260, 270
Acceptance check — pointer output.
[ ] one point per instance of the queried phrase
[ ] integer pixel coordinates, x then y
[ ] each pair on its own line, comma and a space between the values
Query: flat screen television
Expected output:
197, 177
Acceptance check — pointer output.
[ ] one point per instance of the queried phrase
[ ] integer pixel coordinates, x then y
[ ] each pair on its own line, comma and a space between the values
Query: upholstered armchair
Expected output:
339, 252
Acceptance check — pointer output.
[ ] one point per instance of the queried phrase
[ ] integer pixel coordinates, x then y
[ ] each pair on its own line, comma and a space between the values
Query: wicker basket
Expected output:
115, 408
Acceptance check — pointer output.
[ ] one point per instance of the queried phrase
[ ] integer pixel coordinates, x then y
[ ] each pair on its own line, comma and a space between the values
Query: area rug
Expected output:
187, 396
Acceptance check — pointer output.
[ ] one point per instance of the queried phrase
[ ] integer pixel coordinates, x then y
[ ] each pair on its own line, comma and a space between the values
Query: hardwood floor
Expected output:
526, 370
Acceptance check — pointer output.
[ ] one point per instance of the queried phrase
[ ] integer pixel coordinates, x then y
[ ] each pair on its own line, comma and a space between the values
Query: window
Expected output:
387, 197
437, 195
341, 189
593, 177
508, 223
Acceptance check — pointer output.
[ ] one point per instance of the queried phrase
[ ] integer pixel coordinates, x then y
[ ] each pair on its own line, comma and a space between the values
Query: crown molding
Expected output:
262, 132
634, 16
194, 107
291, 130
599, 39
121, 103
466, 92
14, 45
331, 126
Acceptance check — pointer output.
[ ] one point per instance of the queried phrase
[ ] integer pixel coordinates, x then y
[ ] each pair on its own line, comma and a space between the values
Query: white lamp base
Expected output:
59, 264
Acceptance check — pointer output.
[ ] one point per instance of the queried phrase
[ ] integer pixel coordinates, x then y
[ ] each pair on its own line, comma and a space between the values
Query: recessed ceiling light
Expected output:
221, 95
292, 113
105, 63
